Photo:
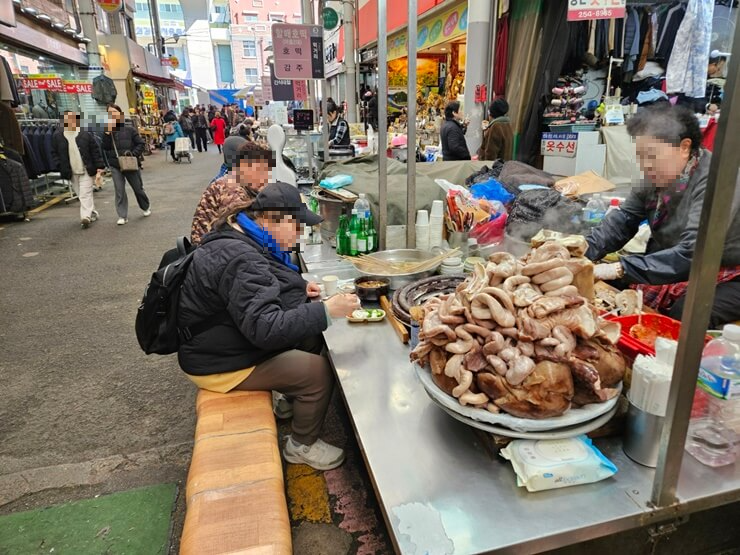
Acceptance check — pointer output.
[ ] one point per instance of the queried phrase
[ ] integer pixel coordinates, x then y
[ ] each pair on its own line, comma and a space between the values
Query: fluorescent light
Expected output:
43, 17
86, 40
58, 26
17, 2
70, 31
29, 10
41, 58
443, 49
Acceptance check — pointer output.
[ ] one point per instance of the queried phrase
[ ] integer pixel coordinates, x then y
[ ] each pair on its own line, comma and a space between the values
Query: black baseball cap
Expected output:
283, 197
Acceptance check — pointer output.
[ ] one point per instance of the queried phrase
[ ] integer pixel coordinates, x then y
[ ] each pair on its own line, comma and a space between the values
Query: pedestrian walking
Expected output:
121, 140
218, 125
79, 159
186, 123
200, 124
172, 131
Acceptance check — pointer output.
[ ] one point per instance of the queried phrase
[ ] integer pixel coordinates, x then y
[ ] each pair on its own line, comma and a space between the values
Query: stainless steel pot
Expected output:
403, 255
330, 209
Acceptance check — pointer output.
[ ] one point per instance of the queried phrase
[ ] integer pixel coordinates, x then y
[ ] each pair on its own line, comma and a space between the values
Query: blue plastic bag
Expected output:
336, 181
491, 190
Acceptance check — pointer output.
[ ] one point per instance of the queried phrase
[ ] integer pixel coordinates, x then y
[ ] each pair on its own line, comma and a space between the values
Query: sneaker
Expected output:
320, 455
282, 408
94, 216
122, 221
85, 223
148, 212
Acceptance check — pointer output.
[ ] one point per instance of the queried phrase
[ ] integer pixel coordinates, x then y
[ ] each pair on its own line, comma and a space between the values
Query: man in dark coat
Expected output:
79, 159
498, 137
454, 146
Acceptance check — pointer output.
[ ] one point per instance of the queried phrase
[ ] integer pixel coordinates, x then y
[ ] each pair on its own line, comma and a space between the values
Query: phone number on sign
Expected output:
603, 13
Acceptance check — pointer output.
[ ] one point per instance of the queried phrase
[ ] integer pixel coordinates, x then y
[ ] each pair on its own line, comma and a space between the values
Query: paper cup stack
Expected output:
436, 224
422, 230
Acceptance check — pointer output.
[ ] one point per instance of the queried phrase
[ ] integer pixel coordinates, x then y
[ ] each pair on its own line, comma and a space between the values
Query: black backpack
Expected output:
156, 319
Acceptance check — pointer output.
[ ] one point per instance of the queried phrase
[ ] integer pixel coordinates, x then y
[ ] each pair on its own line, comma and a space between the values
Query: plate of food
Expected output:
520, 344
363, 315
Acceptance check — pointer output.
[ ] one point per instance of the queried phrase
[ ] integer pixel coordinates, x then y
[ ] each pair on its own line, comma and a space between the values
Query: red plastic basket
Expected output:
663, 325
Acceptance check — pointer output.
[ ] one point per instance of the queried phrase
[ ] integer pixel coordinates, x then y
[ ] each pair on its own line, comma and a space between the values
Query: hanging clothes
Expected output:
8, 89
687, 69
671, 22
502, 56
647, 40
631, 40
15, 190
10, 131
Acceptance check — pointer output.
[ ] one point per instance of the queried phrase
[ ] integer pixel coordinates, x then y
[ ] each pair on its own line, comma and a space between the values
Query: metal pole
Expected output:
356, 24
324, 96
349, 60
154, 11
382, 123
411, 131
308, 19
491, 56
715, 217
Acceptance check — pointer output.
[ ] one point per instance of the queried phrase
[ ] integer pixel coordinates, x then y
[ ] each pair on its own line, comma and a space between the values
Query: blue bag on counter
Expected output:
491, 190
557, 463
336, 181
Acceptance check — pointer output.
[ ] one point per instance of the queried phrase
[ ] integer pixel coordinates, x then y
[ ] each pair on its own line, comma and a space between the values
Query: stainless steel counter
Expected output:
441, 492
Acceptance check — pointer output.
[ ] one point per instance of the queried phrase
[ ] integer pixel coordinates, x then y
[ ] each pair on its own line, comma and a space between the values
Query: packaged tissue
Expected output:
557, 463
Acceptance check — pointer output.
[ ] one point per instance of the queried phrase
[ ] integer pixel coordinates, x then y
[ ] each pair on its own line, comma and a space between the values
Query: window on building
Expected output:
219, 9
251, 75
250, 17
257, 3
277, 17
142, 7
250, 49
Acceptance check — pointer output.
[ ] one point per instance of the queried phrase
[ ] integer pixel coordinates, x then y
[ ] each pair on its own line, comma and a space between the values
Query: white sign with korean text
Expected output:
559, 144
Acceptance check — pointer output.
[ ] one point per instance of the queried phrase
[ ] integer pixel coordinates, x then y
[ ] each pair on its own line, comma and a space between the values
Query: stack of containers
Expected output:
422, 230
436, 224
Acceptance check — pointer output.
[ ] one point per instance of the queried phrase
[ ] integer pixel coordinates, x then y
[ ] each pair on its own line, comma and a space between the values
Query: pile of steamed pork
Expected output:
523, 336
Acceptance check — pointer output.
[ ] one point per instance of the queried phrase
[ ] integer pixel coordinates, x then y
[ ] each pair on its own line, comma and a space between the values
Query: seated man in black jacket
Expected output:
269, 338
79, 159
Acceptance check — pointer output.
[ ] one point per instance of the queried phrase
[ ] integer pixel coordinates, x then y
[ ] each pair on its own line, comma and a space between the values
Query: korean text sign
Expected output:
583, 10
298, 51
559, 144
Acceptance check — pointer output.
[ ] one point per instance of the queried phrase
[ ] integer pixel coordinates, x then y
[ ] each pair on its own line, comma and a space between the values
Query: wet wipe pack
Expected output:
558, 463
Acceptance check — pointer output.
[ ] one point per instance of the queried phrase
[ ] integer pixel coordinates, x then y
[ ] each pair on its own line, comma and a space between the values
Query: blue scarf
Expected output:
263, 237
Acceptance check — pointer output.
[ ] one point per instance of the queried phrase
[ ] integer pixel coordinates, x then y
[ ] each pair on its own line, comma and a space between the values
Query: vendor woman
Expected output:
675, 170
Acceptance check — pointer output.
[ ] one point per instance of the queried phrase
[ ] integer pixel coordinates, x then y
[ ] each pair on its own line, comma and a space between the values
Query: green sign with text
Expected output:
331, 18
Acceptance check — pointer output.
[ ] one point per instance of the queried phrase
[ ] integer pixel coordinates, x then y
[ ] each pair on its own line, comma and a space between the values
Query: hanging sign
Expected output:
286, 89
42, 82
174, 62
110, 5
267, 87
559, 144
78, 87
298, 51
148, 96
584, 10
432, 31
331, 18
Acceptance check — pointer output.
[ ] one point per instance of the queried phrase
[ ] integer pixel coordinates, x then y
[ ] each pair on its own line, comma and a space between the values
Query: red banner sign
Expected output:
78, 87
42, 83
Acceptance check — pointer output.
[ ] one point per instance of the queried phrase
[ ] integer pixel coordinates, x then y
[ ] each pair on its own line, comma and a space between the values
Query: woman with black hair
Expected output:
676, 168
498, 137
123, 140
452, 134
339, 128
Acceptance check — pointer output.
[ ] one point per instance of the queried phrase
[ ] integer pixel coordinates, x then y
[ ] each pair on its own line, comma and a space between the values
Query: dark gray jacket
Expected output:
266, 310
128, 141
671, 246
454, 146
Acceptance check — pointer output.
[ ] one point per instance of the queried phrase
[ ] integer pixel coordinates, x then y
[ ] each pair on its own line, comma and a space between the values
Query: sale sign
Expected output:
78, 87
584, 10
42, 82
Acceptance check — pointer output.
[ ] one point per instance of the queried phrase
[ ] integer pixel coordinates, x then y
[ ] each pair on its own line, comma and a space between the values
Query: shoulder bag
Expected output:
127, 162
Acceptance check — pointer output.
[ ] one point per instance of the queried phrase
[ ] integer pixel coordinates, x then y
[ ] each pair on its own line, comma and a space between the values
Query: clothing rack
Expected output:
47, 180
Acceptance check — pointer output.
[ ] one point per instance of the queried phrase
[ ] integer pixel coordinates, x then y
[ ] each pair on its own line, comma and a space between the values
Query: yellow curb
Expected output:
308, 497
48, 204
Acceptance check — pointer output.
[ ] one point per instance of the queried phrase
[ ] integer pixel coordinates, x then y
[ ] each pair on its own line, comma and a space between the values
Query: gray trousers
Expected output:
119, 183
302, 375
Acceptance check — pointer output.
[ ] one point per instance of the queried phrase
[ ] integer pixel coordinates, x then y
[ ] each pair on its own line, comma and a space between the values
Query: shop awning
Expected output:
248, 91
155, 79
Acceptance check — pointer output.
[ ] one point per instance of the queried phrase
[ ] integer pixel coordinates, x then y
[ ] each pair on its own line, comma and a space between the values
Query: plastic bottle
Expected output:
372, 235
343, 236
714, 429
595, 210
362, 205
613, 205
354, 228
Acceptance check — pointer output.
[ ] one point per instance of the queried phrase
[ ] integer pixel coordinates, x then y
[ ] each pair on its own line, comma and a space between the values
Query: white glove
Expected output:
608, 272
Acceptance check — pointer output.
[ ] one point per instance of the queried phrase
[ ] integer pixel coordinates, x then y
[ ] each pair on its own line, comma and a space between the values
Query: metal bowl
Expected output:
403, 255
371, 293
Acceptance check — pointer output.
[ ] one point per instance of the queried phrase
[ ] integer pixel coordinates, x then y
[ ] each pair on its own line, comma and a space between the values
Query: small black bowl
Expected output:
372, 293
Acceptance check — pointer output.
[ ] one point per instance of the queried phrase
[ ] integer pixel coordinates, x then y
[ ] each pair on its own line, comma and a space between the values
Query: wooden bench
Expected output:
235, 491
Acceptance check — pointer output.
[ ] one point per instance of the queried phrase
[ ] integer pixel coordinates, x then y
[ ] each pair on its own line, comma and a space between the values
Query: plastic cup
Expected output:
422, 217
437, 209
330, 285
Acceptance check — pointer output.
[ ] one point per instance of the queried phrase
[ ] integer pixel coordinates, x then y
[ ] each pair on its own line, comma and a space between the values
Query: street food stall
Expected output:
434, 434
